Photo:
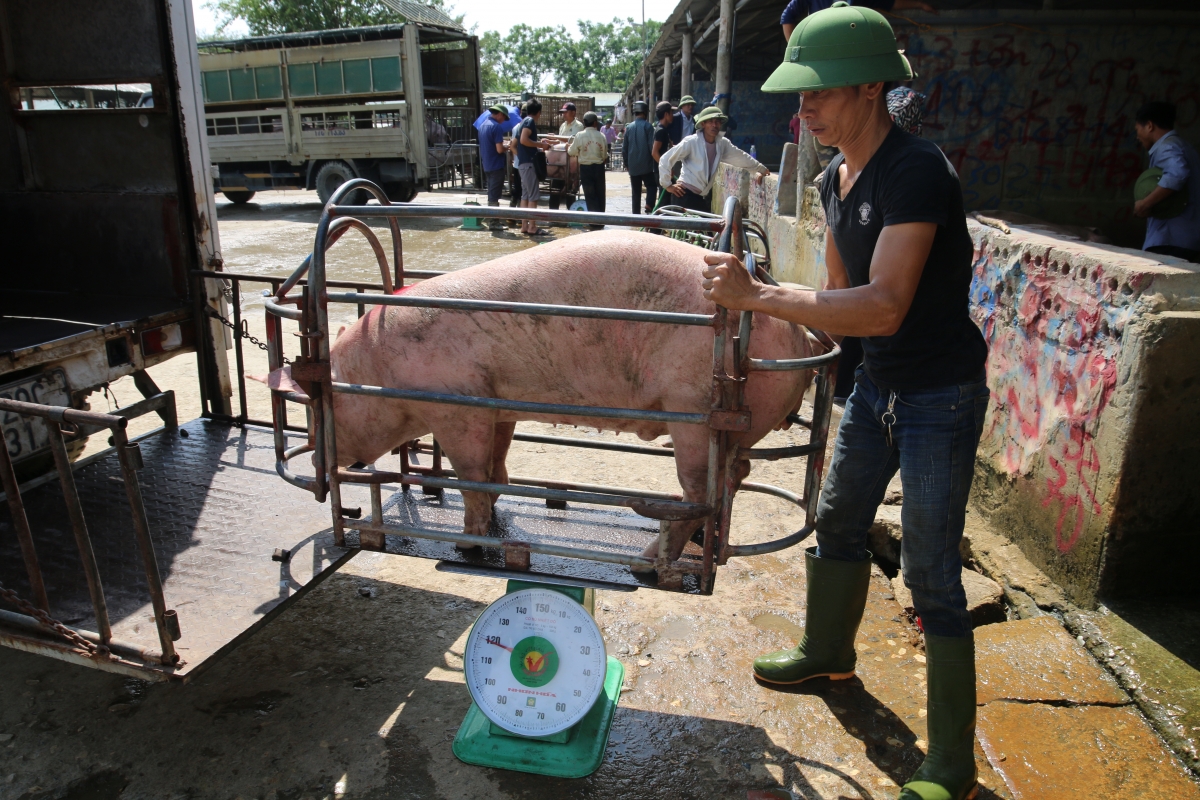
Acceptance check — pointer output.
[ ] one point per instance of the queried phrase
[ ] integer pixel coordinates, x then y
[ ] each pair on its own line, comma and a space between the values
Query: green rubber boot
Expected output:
837, 595
948, 772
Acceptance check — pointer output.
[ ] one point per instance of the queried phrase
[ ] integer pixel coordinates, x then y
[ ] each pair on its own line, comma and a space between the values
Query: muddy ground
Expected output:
356, 691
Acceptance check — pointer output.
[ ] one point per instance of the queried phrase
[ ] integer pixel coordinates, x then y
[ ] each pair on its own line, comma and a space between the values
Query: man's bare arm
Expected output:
876, 309
835, 269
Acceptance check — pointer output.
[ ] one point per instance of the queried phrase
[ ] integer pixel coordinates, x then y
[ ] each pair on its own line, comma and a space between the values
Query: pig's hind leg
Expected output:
501, 441
691, 467
469, 440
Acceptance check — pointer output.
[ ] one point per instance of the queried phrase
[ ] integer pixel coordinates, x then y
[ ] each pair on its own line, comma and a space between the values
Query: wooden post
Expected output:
724, 84
685, 65
666, 78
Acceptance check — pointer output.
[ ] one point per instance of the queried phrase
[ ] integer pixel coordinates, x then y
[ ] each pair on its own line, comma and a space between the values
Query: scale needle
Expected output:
509, 649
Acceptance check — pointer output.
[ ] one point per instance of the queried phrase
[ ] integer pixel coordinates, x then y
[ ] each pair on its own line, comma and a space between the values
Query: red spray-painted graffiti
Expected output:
1054, 332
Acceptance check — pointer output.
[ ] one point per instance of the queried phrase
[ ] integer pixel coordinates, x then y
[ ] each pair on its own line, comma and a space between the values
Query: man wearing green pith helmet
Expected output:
898, 258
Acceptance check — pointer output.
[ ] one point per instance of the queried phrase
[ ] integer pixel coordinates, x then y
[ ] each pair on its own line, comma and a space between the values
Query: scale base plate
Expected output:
579, 756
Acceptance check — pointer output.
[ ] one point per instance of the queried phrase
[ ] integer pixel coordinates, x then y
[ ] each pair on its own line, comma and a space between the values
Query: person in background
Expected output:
492, 157
610, 133
526, 136
684, 123
639, 163
797, 10
514, 190
591, 148
1177, 235
698, 156
795, 125
662, 132
570, 125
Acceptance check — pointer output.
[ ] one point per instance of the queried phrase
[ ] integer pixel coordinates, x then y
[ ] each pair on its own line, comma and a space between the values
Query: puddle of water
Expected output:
678, 628
777, 624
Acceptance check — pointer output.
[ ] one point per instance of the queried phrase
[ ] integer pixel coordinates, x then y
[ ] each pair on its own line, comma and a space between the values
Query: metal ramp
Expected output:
217, 511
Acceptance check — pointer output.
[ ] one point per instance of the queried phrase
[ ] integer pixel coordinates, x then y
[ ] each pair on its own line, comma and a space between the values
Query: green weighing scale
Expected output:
544, 688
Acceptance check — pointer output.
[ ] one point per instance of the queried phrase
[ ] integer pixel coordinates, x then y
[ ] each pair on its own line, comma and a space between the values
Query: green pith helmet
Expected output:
843, 45
687, 98
1147, 182
712, 112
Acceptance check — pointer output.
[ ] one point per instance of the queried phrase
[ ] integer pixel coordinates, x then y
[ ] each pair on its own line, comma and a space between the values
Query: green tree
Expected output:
604, 58
267, 17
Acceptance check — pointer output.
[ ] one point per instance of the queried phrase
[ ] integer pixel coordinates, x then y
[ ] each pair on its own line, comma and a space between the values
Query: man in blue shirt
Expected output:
639, 163
492, 156
799, 9
1179, 235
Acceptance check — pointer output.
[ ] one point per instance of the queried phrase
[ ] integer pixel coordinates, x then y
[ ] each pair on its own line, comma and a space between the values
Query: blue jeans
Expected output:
934, 435
495, 186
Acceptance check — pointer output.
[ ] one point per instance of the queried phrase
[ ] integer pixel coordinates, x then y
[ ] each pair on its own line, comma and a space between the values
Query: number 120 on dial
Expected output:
535, 662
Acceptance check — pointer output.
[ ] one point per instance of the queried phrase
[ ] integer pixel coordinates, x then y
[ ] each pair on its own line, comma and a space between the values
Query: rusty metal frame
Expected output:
36, 631
728, 412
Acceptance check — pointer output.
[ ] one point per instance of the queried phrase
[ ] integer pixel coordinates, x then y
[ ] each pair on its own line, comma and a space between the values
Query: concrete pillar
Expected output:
666, 78
685, 65
724, 83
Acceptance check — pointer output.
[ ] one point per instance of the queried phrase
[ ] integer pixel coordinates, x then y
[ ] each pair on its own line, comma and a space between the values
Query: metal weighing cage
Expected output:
305, 296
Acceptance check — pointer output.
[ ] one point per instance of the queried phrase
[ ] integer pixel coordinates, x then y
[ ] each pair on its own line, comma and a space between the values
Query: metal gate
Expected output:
306, 302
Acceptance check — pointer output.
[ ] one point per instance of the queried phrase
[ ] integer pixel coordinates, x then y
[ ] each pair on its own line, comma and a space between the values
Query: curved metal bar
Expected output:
787, 364
278, 310
373, 240
776, 453
307, 484
393, 222
761, 548
774, 491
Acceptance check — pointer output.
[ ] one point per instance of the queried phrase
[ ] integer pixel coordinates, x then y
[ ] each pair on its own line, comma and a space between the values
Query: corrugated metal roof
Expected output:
418, 12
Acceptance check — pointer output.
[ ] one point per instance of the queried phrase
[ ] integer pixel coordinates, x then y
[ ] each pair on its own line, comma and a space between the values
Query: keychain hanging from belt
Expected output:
889, 419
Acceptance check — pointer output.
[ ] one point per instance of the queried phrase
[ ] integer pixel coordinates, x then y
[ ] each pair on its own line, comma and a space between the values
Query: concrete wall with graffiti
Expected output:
1037, 114
1091, 451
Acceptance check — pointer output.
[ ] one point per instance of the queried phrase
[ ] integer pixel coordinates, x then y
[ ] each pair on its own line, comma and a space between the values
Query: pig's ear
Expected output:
341, 330
281, 379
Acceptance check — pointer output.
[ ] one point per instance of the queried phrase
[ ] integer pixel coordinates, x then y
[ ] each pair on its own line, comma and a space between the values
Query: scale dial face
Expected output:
535, 662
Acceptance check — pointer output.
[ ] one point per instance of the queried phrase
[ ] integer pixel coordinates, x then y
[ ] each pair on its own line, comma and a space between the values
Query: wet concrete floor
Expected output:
358, 694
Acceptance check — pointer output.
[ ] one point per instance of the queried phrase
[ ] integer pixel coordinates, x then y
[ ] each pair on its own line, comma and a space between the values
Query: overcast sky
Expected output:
491, 15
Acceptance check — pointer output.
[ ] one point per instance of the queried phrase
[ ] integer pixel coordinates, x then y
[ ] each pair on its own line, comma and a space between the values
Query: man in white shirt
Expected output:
699, 155
591, 148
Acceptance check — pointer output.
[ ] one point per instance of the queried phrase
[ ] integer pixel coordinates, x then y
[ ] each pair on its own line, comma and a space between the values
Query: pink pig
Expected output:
554, 360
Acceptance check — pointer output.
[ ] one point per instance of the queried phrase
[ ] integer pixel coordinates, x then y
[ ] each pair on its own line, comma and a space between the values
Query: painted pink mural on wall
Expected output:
1054, 331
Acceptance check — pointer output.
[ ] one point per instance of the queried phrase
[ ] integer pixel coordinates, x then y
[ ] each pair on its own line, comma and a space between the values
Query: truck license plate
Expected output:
27, 436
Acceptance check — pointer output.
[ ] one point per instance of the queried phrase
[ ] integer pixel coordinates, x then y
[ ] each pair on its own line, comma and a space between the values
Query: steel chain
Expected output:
88, 648
244, 333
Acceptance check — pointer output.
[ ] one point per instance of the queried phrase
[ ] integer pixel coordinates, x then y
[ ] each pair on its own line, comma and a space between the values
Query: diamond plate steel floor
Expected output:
217, 511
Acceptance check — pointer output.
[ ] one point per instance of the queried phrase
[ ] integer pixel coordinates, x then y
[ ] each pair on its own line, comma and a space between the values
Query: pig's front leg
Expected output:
468, 439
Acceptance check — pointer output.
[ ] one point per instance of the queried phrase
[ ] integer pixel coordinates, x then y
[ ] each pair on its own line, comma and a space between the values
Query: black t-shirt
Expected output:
663, 137
525, 154
909, 180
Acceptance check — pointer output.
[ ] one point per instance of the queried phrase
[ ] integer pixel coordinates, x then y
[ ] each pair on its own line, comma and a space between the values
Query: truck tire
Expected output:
403, 192
238, 198
333, 174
